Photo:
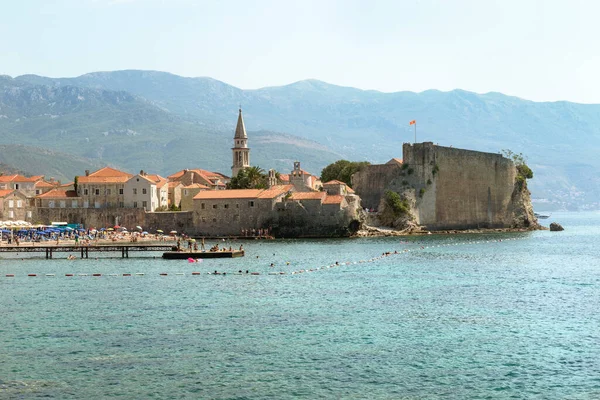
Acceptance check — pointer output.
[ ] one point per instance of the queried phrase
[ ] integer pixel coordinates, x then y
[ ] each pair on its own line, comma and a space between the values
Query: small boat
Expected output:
542, 216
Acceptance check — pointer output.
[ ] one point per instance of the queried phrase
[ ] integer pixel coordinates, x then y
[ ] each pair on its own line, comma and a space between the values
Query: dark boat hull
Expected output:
184, 255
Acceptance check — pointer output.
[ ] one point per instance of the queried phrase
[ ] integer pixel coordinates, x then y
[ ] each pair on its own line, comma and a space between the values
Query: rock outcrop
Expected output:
556, 227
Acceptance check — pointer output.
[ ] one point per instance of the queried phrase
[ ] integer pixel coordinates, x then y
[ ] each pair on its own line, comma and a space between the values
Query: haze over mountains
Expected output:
162, 122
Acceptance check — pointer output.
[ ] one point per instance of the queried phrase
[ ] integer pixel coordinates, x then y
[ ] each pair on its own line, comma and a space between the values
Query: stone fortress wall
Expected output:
452, 188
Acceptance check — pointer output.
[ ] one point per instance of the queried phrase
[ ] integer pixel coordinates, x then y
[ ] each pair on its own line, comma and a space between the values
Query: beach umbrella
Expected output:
116, 227
159, 231
110, 229
139, 227
69, 228
144, 233
173, 232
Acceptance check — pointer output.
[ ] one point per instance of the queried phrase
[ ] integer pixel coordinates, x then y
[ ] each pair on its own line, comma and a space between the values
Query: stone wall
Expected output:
452, 188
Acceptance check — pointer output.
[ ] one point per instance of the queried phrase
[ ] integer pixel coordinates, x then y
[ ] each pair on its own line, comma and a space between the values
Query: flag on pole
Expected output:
414, 121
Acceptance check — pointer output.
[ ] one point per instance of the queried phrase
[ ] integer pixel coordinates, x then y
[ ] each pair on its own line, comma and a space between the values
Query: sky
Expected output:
538, 50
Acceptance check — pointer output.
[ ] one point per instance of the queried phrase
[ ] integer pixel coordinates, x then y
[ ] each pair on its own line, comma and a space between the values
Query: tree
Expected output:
523, 170
249, 178
342, 170
75, 183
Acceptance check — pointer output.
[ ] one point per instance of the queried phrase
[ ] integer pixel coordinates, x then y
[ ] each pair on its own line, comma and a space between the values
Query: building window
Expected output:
11, 214
97, 204
144, 191
73, 203
37, 191
202, 206
63, 204
144, 204
97, 192
135, 204
11, 203
16, 186
108, 192
134, 191
226, 206
86, 204
185, 192
121, 204
120, 191
214, 206
51, 203
251, 204
19, 203
29, 214
237, 206
85, 192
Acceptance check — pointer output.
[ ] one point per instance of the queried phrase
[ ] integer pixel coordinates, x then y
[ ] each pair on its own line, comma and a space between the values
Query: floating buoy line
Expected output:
296, 272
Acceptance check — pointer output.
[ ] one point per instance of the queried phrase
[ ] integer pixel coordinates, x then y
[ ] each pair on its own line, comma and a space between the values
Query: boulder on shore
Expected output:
555, 227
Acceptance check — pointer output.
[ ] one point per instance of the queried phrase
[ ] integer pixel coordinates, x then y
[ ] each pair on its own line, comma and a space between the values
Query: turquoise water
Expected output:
461, 316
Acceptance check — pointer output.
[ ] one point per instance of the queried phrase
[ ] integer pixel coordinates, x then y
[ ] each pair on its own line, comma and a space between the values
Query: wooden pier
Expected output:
184, 255
123, 248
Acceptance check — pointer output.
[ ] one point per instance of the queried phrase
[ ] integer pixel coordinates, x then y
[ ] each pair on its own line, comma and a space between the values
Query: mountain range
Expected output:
162, 122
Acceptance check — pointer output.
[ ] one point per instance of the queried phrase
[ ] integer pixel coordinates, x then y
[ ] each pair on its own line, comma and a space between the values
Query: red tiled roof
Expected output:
334, 182
275, 191
58, 194
105, 175
159, 180
395, 161
108, 171
333, 199
20, 178
44, 184
196, 186
308, 196
5, 192
103, 179
284, 177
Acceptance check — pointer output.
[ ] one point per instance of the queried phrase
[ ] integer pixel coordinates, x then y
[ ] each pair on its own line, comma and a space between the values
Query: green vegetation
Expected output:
436, 169
397, 204
410, 171
249, 178
429, 182
342, 170
523, 170
421, 192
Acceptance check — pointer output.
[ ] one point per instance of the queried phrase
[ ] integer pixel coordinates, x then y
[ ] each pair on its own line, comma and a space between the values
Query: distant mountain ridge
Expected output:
558, 138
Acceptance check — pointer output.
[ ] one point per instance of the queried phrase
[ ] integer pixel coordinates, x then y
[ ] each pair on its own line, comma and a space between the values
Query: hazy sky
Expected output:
539, 50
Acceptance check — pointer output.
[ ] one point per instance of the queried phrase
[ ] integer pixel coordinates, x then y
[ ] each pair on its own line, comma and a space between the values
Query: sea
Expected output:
461, 316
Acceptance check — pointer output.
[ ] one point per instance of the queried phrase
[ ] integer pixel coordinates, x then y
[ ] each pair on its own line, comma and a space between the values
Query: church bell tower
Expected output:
240, 150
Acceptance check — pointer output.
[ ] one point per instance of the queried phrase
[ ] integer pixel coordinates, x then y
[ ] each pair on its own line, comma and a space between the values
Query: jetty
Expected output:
184, 255
84, 250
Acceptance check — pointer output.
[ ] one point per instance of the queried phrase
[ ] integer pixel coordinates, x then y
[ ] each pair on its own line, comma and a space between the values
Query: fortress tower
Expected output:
240, 150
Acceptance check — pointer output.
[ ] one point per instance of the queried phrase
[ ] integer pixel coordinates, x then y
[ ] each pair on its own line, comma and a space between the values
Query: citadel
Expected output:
444, 188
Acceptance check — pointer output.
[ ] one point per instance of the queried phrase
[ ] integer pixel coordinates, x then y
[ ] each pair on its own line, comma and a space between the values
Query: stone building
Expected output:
188, 193
227, 212
302, 180
104, 188
449, 188
21, 183
187, 177
240, 150
15, 206
59, 198
174, 192
147, 191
